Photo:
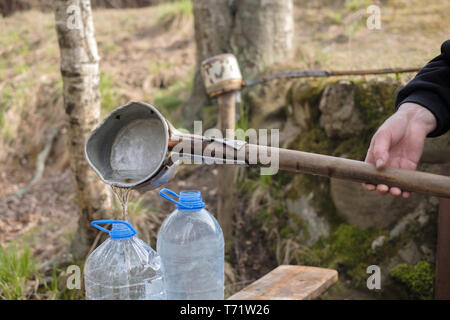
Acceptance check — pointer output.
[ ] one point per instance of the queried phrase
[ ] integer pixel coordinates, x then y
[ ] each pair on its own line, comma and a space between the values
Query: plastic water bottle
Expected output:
123, 267
190, 243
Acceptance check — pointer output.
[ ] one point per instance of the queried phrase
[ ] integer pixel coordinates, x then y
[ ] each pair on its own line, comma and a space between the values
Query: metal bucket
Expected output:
130, 146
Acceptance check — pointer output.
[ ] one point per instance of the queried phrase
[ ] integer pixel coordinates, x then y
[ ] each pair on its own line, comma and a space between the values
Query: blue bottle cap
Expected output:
188, 199
120, 230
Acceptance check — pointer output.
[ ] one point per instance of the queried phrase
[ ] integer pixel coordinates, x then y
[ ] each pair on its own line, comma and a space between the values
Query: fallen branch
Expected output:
316, 73
40, 165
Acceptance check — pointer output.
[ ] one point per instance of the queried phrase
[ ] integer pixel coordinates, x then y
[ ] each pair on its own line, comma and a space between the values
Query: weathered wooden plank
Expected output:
288, 282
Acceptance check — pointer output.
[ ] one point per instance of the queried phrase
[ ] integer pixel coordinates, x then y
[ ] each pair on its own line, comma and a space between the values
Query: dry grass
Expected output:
411, 34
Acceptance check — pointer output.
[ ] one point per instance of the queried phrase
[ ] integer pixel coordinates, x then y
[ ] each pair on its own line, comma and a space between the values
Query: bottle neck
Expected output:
190, 201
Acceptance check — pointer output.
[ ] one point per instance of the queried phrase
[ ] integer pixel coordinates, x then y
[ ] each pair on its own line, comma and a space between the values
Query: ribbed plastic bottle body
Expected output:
191, 247
124, 269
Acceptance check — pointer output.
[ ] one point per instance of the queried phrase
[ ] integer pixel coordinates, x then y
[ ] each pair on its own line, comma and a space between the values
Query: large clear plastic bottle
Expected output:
190, 243
123, 267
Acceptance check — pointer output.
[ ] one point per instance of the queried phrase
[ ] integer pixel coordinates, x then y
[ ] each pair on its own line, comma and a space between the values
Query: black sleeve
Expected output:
431, 89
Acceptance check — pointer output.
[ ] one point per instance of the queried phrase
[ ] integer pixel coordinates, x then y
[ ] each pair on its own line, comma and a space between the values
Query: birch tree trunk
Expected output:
81, 78
258, 32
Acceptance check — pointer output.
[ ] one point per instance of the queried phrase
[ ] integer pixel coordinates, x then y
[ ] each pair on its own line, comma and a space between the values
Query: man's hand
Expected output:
399, 143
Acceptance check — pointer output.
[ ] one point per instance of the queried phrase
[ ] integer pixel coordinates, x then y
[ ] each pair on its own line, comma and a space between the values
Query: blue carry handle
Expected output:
115, 233
163, 194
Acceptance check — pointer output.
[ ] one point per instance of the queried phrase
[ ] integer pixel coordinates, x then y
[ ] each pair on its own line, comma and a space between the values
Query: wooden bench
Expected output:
289, 283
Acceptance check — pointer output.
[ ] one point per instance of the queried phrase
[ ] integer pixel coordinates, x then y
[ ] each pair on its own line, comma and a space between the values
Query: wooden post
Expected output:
223, 79
442, 282
226, 103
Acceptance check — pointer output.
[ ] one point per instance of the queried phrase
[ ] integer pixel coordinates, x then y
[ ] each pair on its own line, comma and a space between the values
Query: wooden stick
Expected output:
357, 171
328, 166
317, 73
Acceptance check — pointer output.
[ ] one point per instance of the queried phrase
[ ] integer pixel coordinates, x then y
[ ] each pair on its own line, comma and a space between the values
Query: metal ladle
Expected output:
136, 147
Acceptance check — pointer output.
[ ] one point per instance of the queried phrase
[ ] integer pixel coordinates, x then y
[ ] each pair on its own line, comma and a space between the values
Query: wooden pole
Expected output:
227, 106
442, 282
222, 78
324, 165
318, 73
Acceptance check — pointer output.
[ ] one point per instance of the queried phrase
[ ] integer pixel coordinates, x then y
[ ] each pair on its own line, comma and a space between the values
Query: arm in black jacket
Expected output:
431, 89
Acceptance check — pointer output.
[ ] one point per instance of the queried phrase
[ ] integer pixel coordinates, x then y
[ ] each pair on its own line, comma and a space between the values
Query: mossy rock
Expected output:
374, 100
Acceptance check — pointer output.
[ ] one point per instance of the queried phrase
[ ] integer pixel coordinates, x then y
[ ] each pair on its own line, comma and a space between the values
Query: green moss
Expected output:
375, 101
348, 249
315, 140
350, 245
353, 148
418, 280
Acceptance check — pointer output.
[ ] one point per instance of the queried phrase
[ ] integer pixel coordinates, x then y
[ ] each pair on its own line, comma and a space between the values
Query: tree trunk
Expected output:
258, 32
81, 78
263, 34
212, 26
